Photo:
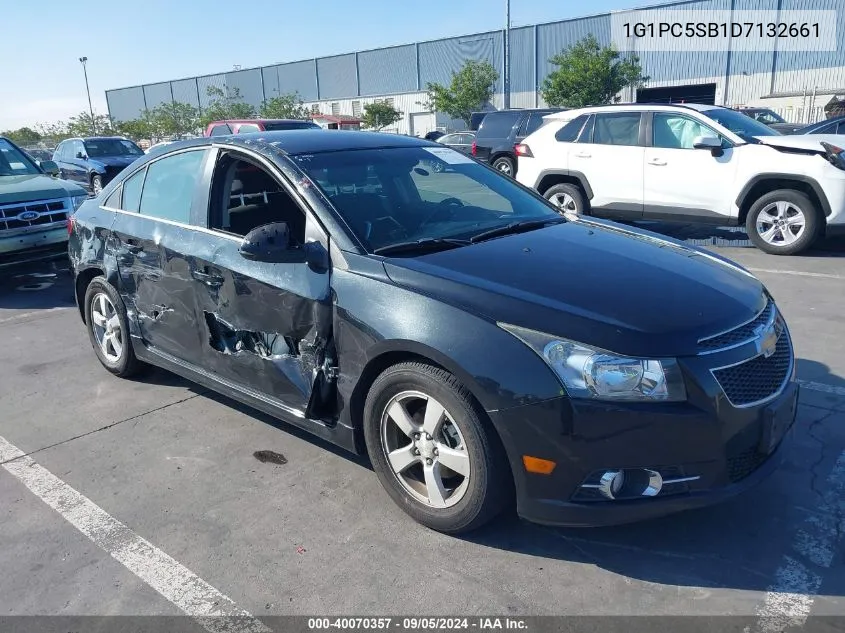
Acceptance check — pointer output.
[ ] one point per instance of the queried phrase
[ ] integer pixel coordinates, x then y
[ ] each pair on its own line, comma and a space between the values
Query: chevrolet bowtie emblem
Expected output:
767, 339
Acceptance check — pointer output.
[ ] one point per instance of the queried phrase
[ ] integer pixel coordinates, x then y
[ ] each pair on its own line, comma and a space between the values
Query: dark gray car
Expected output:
461, 141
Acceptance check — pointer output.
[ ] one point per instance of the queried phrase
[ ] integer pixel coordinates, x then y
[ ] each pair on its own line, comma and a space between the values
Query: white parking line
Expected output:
211, 609
798, 273
820, 386
789, 600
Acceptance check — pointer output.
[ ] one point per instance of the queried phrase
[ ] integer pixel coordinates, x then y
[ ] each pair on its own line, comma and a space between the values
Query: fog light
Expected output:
631, 483
611, 483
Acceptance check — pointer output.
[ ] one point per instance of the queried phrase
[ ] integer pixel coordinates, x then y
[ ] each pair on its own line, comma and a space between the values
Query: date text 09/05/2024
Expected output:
722, 29
417, 623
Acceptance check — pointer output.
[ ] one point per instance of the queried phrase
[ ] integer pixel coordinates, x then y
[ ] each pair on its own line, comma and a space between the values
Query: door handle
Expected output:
583, 155
657, 162
211, 280
133, 247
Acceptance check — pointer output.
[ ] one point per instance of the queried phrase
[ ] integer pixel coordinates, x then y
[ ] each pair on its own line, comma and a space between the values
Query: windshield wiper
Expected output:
514, 227
423, 245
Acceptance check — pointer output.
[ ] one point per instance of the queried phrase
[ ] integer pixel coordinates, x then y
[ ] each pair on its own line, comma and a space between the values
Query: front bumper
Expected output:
33, 246
721, 448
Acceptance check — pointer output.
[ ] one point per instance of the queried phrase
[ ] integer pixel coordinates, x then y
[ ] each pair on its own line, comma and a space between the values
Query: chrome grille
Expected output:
34, 213
739, 335
757, 379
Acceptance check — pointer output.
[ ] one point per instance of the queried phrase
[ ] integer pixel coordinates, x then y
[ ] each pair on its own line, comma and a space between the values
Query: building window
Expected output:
315, 108
356, 108
335, 108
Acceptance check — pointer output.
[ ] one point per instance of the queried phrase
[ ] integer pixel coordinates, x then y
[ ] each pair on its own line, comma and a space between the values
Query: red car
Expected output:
245, 126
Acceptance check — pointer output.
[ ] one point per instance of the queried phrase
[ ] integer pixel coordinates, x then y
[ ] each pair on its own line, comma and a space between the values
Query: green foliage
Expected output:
55, 132
226, 104
174, 119
144, 127
285, 106
471, 88
83, 125
22, 136
379, 115
590, 74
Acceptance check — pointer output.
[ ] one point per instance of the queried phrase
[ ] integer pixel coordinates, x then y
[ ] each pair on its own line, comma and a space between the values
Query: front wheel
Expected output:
783, 222
97, 184
566, 197
432, 449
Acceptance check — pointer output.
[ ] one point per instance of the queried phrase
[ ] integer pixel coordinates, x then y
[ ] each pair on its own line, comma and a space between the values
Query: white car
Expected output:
690, 163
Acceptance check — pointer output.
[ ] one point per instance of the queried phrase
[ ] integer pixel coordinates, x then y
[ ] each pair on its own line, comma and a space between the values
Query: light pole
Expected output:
84, 62
506, 79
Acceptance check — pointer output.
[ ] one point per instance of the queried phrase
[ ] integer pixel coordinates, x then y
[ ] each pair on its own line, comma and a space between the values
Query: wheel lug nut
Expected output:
428, 461
427, 436
416, 436
416, 451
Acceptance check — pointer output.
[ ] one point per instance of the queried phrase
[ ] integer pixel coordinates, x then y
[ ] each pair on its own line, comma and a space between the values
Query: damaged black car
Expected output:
401, 300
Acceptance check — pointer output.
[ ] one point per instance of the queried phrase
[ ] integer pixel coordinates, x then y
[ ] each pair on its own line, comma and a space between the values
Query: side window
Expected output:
535, 120
132, 191
113, 201
569, 132
170, 185
498, 124
674, 131
830, 128
218, 130
617, 128
79, 148
244, 196
246, 128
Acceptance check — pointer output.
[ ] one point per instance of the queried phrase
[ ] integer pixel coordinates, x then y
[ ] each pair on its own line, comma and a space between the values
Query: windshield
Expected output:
392, 196
111, 147
13, 162
740, 124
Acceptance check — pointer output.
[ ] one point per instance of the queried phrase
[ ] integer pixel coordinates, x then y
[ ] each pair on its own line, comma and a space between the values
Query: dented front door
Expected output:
264, 326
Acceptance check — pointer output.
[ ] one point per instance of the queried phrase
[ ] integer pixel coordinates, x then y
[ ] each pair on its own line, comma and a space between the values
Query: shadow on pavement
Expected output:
37, 285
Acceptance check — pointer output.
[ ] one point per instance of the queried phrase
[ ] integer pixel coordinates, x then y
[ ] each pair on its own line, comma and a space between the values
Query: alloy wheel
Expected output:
504, 167
564, 202
425, 449
781, 223
105, 323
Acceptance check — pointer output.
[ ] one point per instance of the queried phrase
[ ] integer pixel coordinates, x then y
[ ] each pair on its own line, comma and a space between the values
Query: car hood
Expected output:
803, 141
599, 283
115, 161
35, 187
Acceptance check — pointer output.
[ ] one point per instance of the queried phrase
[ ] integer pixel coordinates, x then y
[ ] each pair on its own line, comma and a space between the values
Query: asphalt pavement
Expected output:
116, 495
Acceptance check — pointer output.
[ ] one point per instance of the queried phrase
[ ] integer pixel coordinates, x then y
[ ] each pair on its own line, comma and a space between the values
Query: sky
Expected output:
134, 42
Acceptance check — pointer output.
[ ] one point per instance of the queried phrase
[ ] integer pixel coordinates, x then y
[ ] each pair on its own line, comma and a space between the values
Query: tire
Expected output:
96, 184
795, 208
567, 197
505, 165
122, 363
466, 502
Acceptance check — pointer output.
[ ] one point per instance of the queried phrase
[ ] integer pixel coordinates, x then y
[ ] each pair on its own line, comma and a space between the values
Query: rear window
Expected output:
619, 128
291, 125
498, 124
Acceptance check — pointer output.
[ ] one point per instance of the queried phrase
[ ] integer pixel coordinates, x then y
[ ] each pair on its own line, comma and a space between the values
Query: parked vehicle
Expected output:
475, 342
690, 163
500, 131
475, 119
834, 125
38, 154
433, 135
461, 141
34, 206
94, 161
246, 126
770, 118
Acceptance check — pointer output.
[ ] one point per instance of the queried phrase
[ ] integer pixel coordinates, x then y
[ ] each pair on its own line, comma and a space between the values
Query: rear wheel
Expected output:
108, 329
567, 197
433, 450
504, 165
96, 184
783, 222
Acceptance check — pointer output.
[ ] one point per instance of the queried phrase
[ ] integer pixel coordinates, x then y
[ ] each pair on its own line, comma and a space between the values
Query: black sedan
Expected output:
833, 125
397, 298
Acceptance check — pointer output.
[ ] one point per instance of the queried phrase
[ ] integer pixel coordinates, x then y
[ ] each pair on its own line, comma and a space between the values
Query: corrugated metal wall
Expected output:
741, 76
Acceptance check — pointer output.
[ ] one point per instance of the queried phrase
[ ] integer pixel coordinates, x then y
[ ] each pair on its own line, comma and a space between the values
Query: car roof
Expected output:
260, 121
632, 107
308, 141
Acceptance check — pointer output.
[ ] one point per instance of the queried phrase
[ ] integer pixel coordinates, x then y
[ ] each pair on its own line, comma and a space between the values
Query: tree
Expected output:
22, 136
471, 88
379, 115
55, 132
226, 104
285, 106
590, 74
83, 125
144, 127
175, 119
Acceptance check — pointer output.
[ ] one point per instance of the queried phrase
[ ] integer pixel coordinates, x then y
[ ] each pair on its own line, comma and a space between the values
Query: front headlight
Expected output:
77, 201
588, 372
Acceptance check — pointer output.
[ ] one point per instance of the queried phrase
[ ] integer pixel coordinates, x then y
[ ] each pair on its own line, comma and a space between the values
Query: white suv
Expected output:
690, 163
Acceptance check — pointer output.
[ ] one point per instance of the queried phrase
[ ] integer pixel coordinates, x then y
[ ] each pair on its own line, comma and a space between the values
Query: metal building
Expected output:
797, 84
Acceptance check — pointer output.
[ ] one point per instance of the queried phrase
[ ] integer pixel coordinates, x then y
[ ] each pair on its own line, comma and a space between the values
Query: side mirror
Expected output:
270, 243
49, 167
81, 155
711, 143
